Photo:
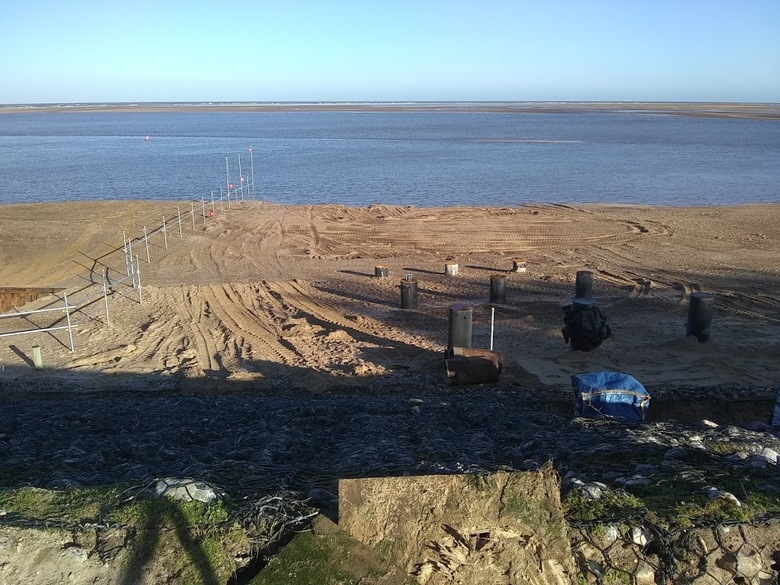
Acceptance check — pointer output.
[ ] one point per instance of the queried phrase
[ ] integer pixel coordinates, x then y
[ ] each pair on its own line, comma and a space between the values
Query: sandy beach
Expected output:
267, 296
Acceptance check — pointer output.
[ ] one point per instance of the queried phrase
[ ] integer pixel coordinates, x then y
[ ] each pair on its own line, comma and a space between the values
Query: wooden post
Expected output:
37, 358
451, 269
583, 285
700, 315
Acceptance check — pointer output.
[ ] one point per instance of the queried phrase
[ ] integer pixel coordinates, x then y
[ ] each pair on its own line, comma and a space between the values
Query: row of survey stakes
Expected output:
126, 282
597, 394
229, 196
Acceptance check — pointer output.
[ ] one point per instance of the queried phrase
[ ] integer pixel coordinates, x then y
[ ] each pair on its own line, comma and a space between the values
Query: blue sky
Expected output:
377, 50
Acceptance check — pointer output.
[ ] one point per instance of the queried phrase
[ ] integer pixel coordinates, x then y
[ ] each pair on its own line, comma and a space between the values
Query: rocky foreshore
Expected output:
252, 443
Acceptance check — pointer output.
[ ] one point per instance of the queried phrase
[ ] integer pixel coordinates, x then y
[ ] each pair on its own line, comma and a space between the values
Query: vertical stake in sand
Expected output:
138, 273
146, 241
67, 315
381, 271
131, 274
214, 209
124, 249
252, 169
451, 269
240, 179
227, 181
519, 265
105, 295
221, 203
165, 233
203, 207
498, 288
192, 214
459, 334
178, 212
408, 292
700, 315
37, 358
583, 285
492, 325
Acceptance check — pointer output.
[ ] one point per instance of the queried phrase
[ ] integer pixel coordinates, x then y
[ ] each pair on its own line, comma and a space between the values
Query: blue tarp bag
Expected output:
615, 394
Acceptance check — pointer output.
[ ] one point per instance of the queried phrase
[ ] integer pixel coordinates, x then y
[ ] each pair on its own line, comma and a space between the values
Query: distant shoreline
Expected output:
703, 109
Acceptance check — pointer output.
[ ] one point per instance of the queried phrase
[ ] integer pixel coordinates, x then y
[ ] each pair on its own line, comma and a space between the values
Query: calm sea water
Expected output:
408, 158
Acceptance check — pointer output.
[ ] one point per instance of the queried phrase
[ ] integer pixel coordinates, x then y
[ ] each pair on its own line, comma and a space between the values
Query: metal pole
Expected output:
138, 272
67, 314
105, 297
492, 323
178, 211
124, 249
460, 329
252, 168
165, 233
221, 204
146, 240
240, 178
227, 180
130, 258
192, 214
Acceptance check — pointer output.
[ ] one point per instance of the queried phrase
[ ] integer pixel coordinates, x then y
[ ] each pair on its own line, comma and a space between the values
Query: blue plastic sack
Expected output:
600, 394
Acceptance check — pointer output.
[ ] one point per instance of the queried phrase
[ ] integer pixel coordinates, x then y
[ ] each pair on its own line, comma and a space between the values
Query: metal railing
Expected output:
66, 308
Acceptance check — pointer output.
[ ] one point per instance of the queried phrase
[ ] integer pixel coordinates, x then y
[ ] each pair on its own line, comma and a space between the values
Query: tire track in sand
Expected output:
193, 313
231, 303
305, 302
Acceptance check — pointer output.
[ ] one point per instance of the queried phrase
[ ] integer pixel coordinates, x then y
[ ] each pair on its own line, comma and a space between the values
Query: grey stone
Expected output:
770, 455
591, 491
636, 481
645, 574
758, 462
676, 453
62, 483
611, 475
611, 534
640, 536
737, 457
76, 553
187, 490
